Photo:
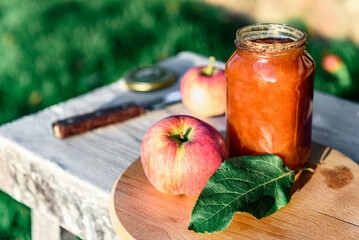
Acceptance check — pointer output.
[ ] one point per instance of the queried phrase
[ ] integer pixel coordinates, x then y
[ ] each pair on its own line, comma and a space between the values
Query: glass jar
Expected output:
270, 80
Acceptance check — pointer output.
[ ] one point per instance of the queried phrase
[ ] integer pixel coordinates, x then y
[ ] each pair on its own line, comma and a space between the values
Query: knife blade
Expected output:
105, 116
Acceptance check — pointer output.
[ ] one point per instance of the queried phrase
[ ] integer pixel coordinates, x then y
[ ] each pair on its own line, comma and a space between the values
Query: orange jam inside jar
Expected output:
270, 80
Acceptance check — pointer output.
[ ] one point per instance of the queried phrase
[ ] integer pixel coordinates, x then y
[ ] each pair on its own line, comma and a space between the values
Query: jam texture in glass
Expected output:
270, 80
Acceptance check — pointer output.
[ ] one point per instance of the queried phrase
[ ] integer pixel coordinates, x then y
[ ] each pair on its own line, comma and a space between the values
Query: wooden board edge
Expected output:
116, 224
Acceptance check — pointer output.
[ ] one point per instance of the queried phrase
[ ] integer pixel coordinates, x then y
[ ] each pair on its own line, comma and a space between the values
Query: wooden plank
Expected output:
81, 170
336, 124
43, 227
324, 206
48, 189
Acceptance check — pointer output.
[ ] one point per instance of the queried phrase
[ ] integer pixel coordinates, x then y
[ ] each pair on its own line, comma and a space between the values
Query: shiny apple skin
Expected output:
177, 168
204, 95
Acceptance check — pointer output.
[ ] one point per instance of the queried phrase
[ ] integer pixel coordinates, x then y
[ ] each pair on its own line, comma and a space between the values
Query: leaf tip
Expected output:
190, 227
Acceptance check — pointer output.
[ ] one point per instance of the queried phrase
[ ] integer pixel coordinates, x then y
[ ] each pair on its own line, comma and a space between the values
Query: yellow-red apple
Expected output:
180, 153
203, 90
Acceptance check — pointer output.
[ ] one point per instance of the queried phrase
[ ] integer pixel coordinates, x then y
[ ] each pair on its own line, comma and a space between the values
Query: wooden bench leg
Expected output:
43, 227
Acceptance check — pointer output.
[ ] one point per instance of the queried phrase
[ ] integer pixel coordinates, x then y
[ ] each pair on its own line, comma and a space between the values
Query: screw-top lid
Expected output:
149, 78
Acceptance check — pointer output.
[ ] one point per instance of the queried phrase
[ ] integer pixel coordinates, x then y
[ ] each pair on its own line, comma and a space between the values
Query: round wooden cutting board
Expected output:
324, 205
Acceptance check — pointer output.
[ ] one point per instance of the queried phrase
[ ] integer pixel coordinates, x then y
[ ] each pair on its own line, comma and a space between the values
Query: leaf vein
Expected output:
234, 179
227, 205
269, 163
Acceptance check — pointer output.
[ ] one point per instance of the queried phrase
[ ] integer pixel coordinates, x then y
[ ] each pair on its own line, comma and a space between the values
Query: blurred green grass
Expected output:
15, 219
53, 50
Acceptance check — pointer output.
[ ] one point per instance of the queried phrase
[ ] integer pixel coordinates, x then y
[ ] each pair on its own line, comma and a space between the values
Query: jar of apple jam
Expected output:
270, 80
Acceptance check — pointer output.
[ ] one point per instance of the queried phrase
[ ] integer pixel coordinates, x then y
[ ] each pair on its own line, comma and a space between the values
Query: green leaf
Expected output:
259, 185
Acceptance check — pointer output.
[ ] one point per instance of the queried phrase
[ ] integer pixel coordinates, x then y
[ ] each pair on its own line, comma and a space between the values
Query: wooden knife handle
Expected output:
99, 118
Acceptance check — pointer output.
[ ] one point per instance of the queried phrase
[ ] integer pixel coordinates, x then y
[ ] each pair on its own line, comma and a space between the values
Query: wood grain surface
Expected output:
324, 205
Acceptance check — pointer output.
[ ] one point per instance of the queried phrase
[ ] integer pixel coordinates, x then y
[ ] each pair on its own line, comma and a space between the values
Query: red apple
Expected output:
203, 90
179, 154
331, 63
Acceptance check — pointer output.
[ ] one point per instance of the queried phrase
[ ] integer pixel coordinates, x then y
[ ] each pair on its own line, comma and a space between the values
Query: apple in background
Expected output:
332, 63
180, 153
203, 90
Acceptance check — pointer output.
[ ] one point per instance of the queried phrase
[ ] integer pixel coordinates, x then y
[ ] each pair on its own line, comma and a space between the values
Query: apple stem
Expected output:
184, 136
208, 71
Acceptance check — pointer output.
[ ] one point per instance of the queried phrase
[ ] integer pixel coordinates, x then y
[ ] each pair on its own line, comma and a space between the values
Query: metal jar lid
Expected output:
149, 78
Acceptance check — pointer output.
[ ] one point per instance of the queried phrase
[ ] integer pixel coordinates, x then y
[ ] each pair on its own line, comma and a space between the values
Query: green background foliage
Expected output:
15, 219
52, 50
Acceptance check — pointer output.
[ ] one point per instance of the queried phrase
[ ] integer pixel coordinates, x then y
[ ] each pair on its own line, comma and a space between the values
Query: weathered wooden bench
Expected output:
67, 182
